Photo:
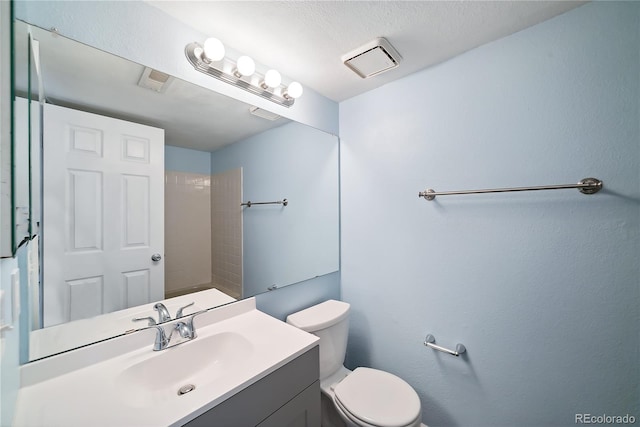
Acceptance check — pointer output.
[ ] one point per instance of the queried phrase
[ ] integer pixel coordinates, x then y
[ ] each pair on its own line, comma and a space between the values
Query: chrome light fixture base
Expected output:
207, 68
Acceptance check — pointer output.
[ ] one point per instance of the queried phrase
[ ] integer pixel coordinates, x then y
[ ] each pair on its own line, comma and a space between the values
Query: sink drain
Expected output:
186, 389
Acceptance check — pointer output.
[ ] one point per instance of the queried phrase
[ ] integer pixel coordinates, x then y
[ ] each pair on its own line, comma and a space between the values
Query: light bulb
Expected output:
294, 90
213, 50
271, 79
198, 51
245, 67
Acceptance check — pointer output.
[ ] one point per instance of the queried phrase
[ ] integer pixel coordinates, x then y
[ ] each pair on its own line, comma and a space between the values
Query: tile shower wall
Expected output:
187, 231
226, 229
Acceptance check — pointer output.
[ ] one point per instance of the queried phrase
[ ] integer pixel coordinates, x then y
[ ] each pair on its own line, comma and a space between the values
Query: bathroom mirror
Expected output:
217, 155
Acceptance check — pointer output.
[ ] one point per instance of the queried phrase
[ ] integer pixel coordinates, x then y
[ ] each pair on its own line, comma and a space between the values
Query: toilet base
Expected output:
329, 414
328, 411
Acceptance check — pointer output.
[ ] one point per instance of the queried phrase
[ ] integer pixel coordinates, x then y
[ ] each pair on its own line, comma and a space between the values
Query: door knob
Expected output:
156, 257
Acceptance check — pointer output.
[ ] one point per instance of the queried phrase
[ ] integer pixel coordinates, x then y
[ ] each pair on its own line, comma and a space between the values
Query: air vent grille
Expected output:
154, 80
373, 58
263, 113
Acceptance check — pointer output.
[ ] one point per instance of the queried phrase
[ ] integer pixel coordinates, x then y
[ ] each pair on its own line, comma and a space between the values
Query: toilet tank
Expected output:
329, 321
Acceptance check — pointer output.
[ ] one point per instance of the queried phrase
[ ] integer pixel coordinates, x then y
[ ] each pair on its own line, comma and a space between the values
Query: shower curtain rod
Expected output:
249, 203
585, 186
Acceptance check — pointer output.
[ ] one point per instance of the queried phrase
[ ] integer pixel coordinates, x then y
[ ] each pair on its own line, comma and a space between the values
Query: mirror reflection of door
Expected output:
104, 214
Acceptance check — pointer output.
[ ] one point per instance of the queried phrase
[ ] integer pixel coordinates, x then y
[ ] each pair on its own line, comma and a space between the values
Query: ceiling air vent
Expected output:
154, 80
373, 58
263, 113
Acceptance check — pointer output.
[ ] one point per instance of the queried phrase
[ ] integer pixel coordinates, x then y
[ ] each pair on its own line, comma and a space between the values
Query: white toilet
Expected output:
365, 397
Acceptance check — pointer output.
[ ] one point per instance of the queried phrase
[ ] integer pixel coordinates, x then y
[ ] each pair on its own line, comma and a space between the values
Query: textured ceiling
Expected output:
304, 40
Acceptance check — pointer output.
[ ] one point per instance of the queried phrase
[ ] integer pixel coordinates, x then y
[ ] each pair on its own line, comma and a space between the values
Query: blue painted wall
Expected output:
187, 160
285, 245
284, 301
542, 287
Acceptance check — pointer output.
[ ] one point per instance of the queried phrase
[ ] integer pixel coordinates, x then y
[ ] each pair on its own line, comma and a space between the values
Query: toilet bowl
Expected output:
363, 397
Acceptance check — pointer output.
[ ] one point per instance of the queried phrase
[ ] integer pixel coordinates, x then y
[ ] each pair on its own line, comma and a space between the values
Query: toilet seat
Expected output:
360, 423
342, 411
374, 398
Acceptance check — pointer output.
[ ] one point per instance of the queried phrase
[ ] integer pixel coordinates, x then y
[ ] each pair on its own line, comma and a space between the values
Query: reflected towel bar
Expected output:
585, 186
249, 203
430, 341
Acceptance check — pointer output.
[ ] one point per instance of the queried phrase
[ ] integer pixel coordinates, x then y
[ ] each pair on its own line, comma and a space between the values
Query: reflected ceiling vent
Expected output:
154, 80
263, 113
373, 58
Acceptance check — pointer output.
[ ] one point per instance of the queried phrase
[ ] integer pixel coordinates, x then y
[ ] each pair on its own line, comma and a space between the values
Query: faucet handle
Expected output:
152, 321
179, 312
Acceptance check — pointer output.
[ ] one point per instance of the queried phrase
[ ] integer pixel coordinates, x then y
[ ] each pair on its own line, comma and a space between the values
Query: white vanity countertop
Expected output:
123, 382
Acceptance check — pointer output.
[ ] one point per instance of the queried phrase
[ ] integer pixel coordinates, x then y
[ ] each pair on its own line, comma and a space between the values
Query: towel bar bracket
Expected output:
590, 185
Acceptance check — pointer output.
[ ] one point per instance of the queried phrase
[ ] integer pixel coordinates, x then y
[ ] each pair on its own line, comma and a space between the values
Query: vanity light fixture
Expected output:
209, 58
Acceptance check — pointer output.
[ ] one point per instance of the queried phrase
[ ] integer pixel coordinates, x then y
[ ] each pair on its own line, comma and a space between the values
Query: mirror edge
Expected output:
7, 248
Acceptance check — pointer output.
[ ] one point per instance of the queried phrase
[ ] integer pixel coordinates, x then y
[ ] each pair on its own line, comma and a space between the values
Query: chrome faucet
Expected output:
163, 313
185, 330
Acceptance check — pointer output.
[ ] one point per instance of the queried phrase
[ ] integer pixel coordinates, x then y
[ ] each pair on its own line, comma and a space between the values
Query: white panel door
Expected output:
103, 214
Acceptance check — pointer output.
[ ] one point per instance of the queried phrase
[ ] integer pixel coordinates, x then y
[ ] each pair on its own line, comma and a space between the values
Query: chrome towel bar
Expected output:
430, 341
585, 186
249, 203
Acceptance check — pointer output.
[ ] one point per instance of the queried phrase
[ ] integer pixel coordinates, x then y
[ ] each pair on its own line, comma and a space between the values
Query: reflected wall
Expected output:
283, 244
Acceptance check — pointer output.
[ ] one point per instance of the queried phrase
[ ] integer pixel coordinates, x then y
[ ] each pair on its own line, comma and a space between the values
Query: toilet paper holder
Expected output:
430, 341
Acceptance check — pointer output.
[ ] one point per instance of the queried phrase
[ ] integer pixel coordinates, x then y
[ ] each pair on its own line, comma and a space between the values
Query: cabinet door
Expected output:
301, 411
258, 402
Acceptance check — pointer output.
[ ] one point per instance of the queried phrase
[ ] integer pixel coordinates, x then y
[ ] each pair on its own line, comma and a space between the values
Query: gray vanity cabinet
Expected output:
288, 397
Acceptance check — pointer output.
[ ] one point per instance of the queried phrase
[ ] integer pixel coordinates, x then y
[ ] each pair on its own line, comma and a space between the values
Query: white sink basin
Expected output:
122, 381
153, 380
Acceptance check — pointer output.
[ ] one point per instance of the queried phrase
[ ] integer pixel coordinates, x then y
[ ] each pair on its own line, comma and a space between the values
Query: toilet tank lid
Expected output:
320, 316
